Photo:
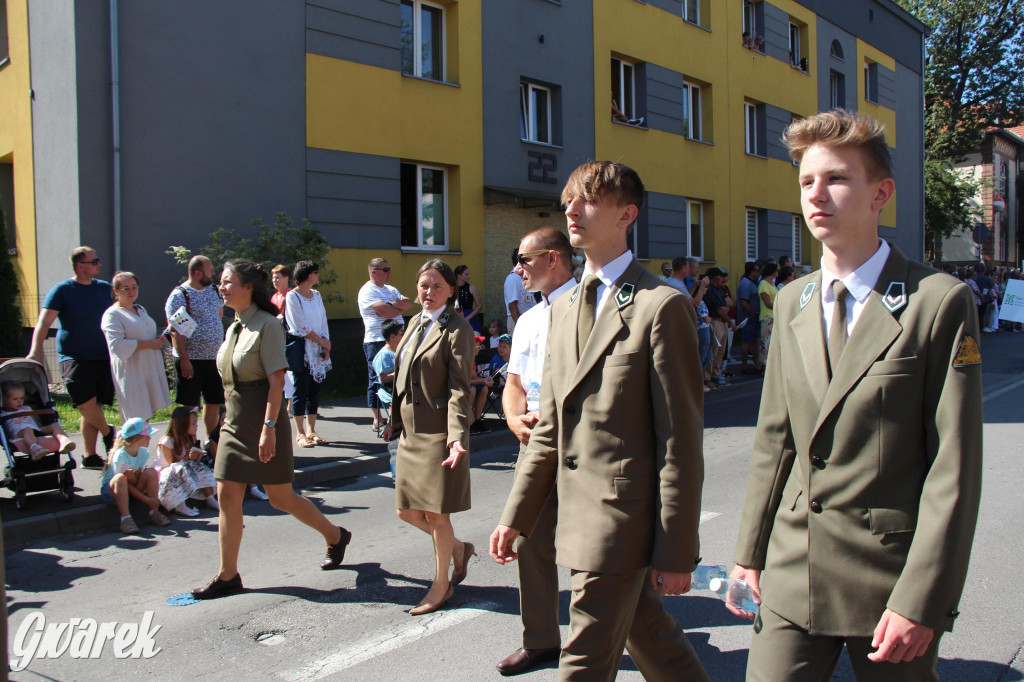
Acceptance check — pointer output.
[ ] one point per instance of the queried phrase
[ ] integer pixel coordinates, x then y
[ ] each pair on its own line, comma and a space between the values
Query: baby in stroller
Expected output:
25, 432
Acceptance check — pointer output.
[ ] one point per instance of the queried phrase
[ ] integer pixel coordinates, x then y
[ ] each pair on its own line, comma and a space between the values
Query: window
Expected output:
624, 87
836, 50
534, 113
836, 90
424, 192
751, 250
692, 120
752, 24
750, 124
798, 235
695, 219
4, 47
871, 82
422, 39
691, 11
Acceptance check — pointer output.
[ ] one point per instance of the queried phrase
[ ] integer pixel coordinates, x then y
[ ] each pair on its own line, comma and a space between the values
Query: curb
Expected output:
102, 517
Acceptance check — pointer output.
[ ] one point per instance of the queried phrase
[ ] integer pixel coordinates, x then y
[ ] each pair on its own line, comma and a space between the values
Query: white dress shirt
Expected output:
529, 341
859, 284
608, 274
427, 320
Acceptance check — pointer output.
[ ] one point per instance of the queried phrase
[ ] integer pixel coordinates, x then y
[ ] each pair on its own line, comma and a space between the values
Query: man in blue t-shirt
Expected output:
749, 310
77, 304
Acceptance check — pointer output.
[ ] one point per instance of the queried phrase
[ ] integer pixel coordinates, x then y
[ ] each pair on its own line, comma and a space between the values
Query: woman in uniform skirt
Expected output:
255, 440
432, 409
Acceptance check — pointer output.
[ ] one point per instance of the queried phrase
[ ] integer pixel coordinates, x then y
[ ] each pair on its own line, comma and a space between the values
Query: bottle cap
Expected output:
716, 585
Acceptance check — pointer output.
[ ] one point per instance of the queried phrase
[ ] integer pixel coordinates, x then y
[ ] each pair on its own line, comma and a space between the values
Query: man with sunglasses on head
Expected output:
378, 302
77, 304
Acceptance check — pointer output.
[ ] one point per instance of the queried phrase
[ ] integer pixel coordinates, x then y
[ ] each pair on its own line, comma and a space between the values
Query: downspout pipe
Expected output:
115, 100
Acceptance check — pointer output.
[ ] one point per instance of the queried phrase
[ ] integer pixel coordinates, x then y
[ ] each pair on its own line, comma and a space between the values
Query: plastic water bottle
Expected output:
702, 576
393, 453
533, 393
734, 592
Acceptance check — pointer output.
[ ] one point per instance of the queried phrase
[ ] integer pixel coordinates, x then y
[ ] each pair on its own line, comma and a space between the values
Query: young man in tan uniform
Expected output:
865, 477
621, 420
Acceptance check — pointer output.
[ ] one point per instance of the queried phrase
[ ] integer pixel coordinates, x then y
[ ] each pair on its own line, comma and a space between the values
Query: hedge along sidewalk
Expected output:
353, 450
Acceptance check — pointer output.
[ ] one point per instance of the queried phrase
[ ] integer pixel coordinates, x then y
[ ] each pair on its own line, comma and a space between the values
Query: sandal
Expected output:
303, 442
316, 439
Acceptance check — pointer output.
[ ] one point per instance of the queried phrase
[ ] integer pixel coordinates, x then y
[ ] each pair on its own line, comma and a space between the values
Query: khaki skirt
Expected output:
238, 457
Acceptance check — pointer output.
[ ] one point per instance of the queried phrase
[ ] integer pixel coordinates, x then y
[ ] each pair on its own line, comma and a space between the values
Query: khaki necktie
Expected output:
229, 354
588, 308
837, 330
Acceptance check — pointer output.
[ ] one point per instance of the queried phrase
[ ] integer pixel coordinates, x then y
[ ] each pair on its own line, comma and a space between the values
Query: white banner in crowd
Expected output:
1012, 307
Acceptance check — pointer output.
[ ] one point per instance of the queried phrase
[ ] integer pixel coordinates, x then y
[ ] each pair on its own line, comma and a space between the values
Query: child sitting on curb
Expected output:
125, 473
181, 471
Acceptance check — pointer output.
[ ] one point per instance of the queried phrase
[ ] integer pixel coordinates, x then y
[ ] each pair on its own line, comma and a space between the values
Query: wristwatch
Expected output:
270, 422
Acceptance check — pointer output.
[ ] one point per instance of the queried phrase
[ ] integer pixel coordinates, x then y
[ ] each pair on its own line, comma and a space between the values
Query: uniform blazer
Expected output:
863, 493
434, 382
620, 430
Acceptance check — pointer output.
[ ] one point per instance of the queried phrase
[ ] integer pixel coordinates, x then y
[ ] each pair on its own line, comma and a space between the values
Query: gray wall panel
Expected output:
674, 7
664, 99
886, 87
847, 66
775, 234
512, 49
355, 199
55, 142
213, 125
909, 164
776, 121
881, 24
368, 33
776, 32
666, 225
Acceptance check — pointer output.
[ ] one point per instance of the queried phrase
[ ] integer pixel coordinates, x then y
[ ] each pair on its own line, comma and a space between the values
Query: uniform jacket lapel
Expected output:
611, 319
402, 362
434, 334
809, 330
875, 331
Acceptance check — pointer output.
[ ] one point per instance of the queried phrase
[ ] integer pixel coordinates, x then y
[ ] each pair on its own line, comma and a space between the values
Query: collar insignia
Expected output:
896, 297
967, 353
445, 316
624, 295
575, 294
805, 295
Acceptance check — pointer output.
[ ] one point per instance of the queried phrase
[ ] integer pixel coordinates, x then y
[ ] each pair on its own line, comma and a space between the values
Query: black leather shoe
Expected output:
93, 462
219, 588
521, 660
336, 553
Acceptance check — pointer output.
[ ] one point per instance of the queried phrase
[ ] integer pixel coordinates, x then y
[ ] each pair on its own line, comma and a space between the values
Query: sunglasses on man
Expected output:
383, 269
94, 261
521, 257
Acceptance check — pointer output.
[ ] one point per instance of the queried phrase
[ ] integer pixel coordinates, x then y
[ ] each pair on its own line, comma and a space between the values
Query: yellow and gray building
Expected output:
412, 128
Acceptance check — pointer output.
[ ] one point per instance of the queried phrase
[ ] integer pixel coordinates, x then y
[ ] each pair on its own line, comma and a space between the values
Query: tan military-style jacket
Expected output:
620, 430
863, 492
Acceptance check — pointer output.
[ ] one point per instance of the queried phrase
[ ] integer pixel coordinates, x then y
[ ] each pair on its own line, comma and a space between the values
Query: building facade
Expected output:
418, 128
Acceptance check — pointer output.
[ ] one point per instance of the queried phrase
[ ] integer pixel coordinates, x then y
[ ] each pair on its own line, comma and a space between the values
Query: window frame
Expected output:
696, 8
751, 255
688, 110
528, 113
691, 252
794, 45
798, 238
420, 245
750, 128
417, 40
836, 89
629, 111
870, 81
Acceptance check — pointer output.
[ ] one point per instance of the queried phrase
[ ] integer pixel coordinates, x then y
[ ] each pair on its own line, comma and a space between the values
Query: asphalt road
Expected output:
295, 622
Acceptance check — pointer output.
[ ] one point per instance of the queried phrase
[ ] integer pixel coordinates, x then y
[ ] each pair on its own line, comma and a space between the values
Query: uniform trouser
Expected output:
538, 581
612, 610
720, 330
781, 651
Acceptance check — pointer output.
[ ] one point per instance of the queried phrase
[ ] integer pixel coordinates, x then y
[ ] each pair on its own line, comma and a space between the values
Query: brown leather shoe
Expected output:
336, 553
521, 660
218, 587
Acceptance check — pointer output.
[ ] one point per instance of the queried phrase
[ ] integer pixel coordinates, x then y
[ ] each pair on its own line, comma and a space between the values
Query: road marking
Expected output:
372, 648
1005, 389
707, 516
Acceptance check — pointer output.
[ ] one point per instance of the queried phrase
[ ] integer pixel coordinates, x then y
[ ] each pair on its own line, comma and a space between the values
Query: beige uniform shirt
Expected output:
259, 350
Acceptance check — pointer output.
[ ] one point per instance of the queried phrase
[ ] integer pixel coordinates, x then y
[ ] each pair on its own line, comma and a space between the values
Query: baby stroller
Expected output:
21, 474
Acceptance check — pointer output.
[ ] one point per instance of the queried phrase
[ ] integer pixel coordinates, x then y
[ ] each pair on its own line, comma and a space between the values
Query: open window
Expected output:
424, 191
423, 39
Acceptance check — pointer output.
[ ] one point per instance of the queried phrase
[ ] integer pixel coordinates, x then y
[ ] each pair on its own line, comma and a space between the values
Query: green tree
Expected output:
11, 342
282, 242
974, 67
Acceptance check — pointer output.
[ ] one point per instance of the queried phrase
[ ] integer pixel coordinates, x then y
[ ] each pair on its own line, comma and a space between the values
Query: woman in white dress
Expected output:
307, 318
136, 360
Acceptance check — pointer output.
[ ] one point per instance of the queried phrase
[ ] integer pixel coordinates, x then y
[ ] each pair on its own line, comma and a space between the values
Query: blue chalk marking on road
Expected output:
182, 600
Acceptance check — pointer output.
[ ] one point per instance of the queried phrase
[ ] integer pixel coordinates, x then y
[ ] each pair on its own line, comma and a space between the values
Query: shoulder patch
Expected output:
574, 295
805, 295
624, 295
896, 297
967, 353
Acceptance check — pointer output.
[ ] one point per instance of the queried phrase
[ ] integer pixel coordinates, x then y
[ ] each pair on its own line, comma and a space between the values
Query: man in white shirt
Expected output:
546, 267
517, 299
378, 301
